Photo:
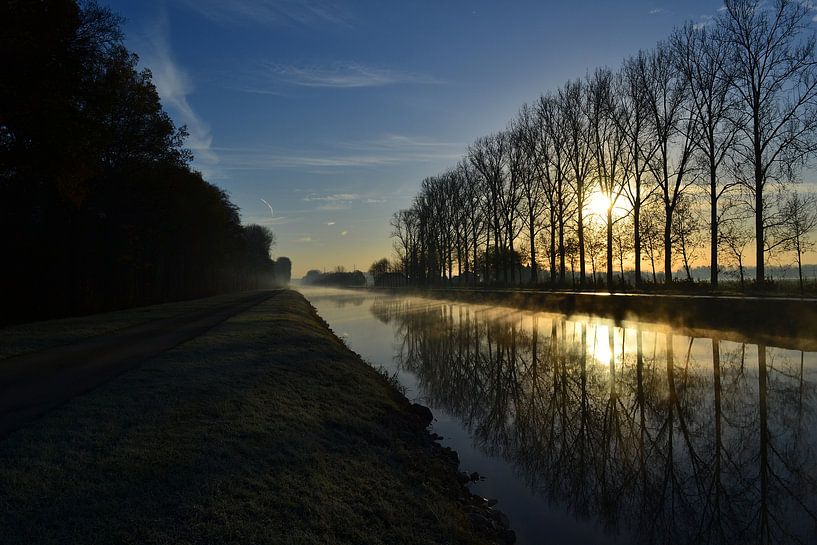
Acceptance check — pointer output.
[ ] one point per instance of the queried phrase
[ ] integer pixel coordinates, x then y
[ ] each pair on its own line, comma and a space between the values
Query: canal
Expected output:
588, 431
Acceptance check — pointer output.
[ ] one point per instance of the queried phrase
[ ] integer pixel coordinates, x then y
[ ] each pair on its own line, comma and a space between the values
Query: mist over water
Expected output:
589, 431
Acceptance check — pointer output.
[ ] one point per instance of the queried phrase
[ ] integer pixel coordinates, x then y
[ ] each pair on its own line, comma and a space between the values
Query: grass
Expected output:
20, 339
265, 430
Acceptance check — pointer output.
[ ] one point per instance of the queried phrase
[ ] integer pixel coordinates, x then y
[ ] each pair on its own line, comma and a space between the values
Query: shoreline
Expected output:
265, 429
786, 322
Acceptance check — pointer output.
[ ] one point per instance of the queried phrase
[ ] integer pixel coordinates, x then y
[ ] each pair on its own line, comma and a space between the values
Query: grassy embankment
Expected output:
267, 429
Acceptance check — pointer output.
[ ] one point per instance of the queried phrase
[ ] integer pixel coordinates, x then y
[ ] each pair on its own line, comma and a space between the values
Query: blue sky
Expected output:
333, 112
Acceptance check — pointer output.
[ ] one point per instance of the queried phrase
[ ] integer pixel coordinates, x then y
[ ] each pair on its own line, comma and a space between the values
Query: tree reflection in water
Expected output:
669, 438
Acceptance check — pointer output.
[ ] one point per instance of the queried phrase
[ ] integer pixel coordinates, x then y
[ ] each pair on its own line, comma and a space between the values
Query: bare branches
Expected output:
718, 111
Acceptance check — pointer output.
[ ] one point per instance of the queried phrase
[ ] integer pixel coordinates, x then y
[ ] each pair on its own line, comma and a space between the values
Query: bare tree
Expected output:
611, 158
734, 234
595, 243
488, 156
666, 95
798, 220
528, 135
775, 73
702, 55
634, 119
553, 165
652, 233
622, 242
573, 99
520, 175
686, 232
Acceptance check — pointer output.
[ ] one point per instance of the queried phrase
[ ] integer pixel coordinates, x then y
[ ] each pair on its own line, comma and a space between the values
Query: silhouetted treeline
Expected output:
337, 278
687, 149
99, 206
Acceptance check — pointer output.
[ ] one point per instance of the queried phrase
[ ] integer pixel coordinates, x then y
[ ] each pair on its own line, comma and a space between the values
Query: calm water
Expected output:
591, 432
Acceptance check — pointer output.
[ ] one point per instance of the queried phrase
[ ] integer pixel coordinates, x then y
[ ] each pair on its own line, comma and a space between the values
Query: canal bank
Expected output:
265, 429
779, 321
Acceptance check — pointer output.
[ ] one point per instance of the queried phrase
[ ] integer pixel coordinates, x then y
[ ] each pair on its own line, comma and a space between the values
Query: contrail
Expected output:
268, 206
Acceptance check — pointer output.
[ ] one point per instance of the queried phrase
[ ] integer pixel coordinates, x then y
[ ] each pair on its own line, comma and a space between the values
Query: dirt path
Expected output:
33, 383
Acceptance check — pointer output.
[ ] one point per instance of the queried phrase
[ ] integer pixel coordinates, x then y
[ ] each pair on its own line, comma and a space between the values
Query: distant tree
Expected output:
381, 266
595, 244
798, 221
733, 236
311, 276
686, 233
652, 234
283, 270
623, 242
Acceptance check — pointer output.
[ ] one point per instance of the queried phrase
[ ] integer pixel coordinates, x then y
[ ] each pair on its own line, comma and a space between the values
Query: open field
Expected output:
266, 429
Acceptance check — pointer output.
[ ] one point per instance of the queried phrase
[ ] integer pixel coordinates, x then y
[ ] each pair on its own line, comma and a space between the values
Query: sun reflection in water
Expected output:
603, 346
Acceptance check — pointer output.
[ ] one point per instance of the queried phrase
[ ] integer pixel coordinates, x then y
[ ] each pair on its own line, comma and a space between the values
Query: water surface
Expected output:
592, 432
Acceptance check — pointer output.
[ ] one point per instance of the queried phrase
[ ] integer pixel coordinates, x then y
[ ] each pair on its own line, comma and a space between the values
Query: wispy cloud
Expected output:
333, 202
268, 221
390, 149
656, 11
341, 201
270, 12
335, 197
338, 75
174, 86
335, 206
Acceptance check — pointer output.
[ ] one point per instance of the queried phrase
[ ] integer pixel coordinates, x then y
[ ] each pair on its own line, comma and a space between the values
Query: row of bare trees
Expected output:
709, 128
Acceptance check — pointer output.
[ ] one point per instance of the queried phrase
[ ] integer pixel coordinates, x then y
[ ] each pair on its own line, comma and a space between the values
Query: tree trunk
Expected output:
496, 244
561, 248
552, 247
533, 267
610, 248
668, 246
637, 241
476, 251
742, 279
713, 220
759, 236
582, 264
800, 265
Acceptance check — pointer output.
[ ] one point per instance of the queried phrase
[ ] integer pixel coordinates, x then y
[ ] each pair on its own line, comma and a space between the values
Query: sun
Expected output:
597, 204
